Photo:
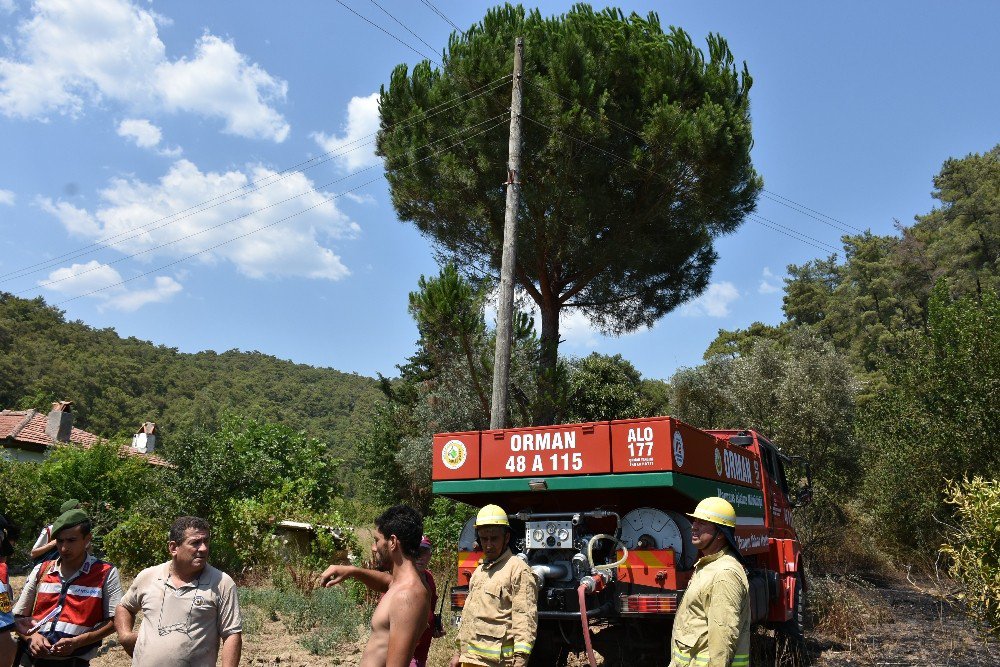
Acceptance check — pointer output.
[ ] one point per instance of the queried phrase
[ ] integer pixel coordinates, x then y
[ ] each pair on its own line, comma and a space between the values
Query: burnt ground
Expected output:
904, 623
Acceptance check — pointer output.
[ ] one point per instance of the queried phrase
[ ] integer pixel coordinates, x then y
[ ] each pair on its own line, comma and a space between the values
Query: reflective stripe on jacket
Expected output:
83, 605
712, 626
500, 617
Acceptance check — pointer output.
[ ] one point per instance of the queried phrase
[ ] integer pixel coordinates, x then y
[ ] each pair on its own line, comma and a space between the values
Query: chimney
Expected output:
59, 425
144, 440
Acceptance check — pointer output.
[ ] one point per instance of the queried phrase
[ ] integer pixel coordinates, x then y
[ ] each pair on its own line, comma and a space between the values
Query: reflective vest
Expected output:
6, 600
712, 626
81, 596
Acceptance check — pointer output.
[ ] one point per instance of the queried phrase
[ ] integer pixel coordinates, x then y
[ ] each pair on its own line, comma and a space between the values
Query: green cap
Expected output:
70, 504
74, 517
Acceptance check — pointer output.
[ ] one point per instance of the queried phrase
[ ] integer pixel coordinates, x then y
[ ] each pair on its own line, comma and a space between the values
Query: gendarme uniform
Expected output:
500, 617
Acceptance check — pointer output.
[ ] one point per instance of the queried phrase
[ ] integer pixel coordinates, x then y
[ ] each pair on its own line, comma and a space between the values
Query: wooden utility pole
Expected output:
505, 308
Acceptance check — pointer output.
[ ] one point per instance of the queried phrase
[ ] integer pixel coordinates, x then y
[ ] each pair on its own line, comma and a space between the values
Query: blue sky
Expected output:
117, 115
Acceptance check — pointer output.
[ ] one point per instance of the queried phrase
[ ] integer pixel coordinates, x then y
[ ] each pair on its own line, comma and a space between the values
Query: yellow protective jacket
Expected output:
500, 617
712, 626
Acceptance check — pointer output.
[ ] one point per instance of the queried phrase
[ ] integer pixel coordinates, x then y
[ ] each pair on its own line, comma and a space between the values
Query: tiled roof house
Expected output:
29, 435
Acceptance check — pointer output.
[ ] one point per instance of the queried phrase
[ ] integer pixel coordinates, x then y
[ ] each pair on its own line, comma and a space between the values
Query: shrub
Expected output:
23, 502
138, 542
974, 547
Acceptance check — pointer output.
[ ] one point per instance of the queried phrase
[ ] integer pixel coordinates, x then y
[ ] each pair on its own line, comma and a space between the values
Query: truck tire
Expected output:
790, 645
795, 626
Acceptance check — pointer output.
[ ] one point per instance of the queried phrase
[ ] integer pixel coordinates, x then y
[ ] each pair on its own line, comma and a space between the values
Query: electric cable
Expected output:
430, 5
402, 25
286, 218
810, 243
794, 231
788, 203
249, 188
376, 25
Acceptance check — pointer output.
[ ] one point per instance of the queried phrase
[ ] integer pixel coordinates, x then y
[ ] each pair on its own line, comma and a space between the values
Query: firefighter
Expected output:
712, 626
500, 617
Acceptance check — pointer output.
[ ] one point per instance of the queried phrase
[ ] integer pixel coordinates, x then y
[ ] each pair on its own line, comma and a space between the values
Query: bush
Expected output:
138, 542
974, 547
25, 502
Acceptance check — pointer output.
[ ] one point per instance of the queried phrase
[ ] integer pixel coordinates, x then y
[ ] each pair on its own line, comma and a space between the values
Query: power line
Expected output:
286, 218
767, 193
376, 25
828, 246
430, 5
403, 25
248, 214
789, 203
764, 224
792, 233
252, 187
767, 223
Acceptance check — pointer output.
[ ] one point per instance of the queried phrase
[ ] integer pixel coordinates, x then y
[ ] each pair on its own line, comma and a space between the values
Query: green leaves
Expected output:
973, 546
934, 417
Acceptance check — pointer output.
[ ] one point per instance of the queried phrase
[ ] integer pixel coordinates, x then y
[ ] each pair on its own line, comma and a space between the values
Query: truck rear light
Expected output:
458, 599
648, 604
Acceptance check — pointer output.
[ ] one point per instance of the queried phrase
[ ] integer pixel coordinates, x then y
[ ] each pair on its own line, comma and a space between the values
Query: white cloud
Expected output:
163, 289
81, 278
766, 286
71, 54
220, 82
145, 135
101, 282
362, 120
7, 6
141, 131
7, 197
714, 301
158, 213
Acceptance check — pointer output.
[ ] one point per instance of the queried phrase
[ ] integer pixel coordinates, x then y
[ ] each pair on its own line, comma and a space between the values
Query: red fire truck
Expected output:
610, 499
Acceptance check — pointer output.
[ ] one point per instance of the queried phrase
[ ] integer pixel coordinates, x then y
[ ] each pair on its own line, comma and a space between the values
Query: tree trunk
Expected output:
547, 402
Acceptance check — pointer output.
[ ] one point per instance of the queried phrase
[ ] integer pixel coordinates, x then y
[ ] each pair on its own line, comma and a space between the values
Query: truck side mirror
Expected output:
741, 440
803, 497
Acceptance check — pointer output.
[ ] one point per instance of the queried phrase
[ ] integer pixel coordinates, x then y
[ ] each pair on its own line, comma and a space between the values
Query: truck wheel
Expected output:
795, 626
790, 645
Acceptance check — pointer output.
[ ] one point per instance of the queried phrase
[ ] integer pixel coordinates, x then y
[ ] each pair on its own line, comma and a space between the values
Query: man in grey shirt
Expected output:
187, 606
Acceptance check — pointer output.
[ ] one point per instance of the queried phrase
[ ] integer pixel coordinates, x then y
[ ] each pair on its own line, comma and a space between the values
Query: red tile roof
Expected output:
28, 426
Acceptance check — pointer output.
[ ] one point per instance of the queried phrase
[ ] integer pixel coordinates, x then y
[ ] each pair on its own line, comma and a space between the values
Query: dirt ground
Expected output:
912, 624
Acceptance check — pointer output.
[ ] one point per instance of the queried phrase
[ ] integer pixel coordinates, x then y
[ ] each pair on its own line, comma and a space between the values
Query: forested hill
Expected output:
117, 383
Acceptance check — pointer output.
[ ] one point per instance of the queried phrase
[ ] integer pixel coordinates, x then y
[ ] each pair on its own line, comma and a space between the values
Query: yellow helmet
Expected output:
717, 511
492, 515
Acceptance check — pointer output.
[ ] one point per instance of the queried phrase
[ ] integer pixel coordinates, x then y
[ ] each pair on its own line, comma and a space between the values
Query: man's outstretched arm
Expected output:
376, 580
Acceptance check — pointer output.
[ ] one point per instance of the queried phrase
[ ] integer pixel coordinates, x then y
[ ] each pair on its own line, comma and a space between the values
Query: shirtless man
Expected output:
401, 615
